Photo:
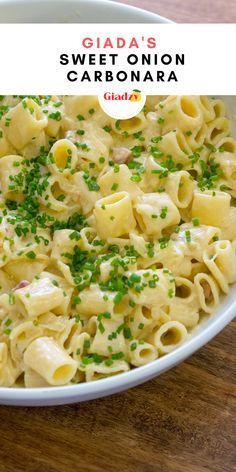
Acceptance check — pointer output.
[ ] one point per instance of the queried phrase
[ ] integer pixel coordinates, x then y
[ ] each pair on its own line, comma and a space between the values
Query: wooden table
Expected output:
190, 11
179, 422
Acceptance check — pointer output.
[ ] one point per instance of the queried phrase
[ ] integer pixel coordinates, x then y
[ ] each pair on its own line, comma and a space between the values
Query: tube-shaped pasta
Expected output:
114, 215
152, 101
180, 187
139, 243
28, 268
93, 145
54, 109
219, 107
217, 129
212, 208
92, 301
33, 380
207, 292
108, 266
24, 122
5, 147
169, 336
153, 287
63, 157
207, 108
52, 196
67, 339
100, 371
80, 104
3, 353
141, 321
182, 111
34, 147
174, 143
88, 236
141, 354
66, 273
21, 336
103, 339
63, 243
154, 212
210, 262
196, 138
10, 167
228, 145
171, 256
227, 163
64, 307
51, 362
153, 179
9, 371
186, 314
192, 239
79, 345
6, 282
229, 231
112, 181
224, 256
226, 259
87, 197
132, 125
184, 306
185, 290
38, 297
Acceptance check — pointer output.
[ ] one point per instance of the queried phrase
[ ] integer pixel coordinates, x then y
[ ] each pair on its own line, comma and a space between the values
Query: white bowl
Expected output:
101, 388
79, 11
74, 11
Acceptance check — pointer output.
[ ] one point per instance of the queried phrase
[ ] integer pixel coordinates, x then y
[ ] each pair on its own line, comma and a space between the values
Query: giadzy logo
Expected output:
122, 105
134, 96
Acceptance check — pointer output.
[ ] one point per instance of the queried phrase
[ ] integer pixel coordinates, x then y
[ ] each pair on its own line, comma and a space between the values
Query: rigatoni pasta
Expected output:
116, 236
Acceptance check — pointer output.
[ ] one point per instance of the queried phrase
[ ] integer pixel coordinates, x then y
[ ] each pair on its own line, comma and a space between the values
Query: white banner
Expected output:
112, 58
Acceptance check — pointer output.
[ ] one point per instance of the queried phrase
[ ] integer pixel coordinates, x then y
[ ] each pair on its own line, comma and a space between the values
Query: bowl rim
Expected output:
44, 396
104, 3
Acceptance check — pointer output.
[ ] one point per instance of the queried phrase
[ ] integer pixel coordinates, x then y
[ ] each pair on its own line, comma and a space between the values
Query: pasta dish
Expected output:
117, 236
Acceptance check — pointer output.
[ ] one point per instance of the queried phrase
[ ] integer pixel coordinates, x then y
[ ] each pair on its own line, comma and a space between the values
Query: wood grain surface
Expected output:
182, 421
190, 11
